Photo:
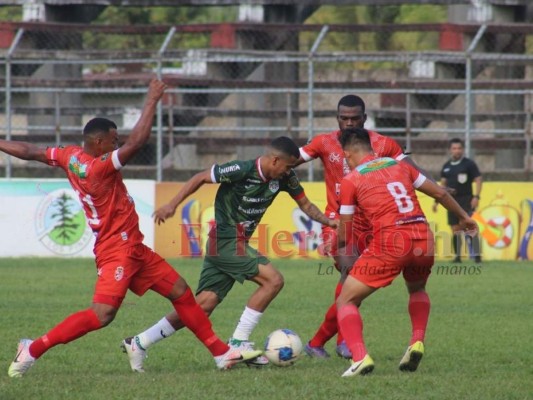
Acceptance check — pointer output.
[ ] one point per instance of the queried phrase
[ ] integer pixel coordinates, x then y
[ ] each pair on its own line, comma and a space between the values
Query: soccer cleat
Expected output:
362, 367
343, 351
234, 356
412, 357
316, 351
245, 345
135, 352
23, 360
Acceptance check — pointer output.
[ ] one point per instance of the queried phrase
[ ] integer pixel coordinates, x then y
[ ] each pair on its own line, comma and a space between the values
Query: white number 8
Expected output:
402, 199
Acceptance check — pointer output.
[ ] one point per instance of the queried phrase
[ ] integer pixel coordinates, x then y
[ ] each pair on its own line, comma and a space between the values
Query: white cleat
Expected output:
135, 352
245, 345
234, 356
23, 360
362, 367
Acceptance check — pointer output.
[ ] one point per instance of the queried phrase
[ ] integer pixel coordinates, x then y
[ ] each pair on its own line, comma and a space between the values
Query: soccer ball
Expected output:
283, 347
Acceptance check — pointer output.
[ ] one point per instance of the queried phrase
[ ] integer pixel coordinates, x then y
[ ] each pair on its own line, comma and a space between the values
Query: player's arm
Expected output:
191, 186
443, 197
313, 212
443, 183
412, 163
143, 128
23, 150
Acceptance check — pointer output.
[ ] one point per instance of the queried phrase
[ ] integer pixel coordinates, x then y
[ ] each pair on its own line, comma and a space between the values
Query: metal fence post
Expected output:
10, 52
468, 89
310, 84
159, 156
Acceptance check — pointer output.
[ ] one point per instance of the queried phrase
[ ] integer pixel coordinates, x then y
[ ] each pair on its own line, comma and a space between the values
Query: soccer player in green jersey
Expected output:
247, 189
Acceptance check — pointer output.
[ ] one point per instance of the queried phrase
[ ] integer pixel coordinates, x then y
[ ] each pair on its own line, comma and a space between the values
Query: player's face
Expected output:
456, 151
351, 117
282, 166
109, 141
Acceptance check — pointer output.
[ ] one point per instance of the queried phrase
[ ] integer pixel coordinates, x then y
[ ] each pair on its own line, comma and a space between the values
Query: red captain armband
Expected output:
299, 196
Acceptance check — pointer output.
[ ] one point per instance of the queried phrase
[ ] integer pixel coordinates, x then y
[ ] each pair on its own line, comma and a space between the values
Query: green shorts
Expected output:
228, 264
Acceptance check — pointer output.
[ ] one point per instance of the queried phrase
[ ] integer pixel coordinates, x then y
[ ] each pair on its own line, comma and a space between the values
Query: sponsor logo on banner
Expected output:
60, 223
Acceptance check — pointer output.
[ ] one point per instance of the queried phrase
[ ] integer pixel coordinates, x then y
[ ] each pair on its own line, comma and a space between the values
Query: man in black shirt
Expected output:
457, 175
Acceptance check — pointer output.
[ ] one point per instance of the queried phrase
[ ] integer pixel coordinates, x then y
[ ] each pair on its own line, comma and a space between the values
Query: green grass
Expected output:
478, 344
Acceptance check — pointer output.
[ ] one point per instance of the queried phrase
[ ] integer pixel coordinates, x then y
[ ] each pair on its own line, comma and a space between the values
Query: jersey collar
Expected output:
457, 162
368, 158
259, 170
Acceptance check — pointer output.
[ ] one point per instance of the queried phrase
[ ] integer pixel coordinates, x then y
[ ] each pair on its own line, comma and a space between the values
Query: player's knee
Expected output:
277, 283
207, 300
106, 314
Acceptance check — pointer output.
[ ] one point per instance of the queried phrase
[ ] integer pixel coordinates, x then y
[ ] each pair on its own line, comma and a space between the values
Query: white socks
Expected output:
249, 319
155, 333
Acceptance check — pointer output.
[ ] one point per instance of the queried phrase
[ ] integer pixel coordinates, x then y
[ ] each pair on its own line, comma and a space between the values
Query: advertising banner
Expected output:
45, 218
505, 218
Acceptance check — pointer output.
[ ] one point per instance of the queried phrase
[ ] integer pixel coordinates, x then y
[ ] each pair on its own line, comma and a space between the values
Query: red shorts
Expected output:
136, 268
362, 239
394, 252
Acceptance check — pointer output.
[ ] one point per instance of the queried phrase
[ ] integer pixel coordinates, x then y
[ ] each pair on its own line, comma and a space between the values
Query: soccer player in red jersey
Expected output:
122, 261
326, 146
402, 242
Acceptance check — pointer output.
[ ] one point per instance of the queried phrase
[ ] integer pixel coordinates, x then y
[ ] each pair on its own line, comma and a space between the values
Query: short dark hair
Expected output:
286, 146
355, 136
97, 125
351, 101
456, 141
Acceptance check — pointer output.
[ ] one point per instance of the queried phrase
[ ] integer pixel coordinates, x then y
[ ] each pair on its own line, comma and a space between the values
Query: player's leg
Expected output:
453, 221
344, 260
351, 324
109, 293
187, 312
164, 328
212, 288
419, 306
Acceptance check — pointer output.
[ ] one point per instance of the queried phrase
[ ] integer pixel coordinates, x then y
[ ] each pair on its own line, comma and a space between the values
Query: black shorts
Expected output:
465, 203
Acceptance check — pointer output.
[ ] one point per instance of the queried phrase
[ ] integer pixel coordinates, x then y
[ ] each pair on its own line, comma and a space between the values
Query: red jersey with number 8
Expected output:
328, 148
384, 191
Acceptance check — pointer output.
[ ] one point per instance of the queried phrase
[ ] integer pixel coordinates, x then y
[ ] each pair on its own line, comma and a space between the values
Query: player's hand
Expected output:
162, 213
156, 89
333, 223
468, 226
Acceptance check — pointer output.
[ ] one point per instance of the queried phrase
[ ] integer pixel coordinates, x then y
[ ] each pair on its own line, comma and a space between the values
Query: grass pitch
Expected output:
478, 345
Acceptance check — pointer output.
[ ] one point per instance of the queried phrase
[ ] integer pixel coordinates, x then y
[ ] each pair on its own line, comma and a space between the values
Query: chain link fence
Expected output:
236, 86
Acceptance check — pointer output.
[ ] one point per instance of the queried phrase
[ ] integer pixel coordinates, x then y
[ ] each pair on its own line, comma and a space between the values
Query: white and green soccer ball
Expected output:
283, 347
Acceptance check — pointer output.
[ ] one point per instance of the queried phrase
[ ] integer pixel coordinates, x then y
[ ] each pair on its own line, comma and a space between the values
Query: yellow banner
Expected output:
505, 218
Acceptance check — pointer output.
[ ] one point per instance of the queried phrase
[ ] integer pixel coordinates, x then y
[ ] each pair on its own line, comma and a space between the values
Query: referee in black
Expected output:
457, 175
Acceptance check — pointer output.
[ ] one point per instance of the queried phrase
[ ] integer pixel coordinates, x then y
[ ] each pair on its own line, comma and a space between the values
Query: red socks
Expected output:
329, 327
194, 318
73, 327
351, 325
419, 306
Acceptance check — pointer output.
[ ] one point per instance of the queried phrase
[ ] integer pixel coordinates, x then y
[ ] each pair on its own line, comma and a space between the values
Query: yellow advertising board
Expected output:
505, 218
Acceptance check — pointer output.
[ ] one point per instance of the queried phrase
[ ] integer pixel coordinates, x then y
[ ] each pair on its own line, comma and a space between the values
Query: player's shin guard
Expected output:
351, 326
194, 318
72, 328
419, 307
